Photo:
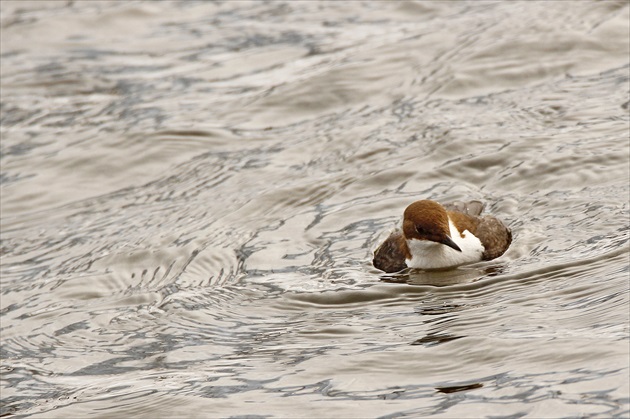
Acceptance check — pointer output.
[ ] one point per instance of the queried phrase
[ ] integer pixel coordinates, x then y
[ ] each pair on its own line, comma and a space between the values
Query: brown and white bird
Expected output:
435, 236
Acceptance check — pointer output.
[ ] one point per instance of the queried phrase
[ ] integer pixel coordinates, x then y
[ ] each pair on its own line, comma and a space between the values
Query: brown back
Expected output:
390, 256
493, 234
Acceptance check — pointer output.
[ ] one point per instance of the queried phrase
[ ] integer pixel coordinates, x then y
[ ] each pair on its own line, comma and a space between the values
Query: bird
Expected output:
436, 236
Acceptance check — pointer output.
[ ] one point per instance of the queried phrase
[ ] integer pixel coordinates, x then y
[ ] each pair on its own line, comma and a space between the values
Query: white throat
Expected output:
426, 254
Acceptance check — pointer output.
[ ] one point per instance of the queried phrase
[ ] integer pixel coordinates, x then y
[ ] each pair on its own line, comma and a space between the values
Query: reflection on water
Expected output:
442, 278
191, 193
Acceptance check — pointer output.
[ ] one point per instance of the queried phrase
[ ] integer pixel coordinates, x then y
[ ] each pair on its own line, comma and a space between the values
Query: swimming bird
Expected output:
435, 236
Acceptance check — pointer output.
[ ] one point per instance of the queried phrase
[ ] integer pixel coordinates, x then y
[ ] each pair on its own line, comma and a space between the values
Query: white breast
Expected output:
430, 255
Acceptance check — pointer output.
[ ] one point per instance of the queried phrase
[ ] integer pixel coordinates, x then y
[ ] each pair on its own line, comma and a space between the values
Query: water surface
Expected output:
192, 191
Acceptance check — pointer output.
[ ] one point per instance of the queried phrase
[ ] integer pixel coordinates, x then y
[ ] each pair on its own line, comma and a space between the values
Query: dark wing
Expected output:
494, 236
391, 254
473, 208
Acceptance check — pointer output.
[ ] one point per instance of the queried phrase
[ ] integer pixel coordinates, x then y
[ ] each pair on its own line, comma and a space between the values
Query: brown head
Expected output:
428, 220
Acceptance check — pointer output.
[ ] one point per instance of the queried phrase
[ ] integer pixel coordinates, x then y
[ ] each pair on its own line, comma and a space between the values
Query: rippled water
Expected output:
191, 193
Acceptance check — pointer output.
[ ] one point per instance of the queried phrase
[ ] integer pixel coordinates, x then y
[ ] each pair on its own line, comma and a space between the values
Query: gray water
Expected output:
192, 191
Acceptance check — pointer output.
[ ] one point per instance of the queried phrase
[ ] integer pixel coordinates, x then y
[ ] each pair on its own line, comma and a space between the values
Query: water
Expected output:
192, 191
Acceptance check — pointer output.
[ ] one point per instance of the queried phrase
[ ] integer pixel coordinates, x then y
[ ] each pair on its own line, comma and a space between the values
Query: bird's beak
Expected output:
450, 243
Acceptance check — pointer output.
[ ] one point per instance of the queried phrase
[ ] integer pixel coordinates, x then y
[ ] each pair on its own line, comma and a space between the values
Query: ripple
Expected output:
191, 194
